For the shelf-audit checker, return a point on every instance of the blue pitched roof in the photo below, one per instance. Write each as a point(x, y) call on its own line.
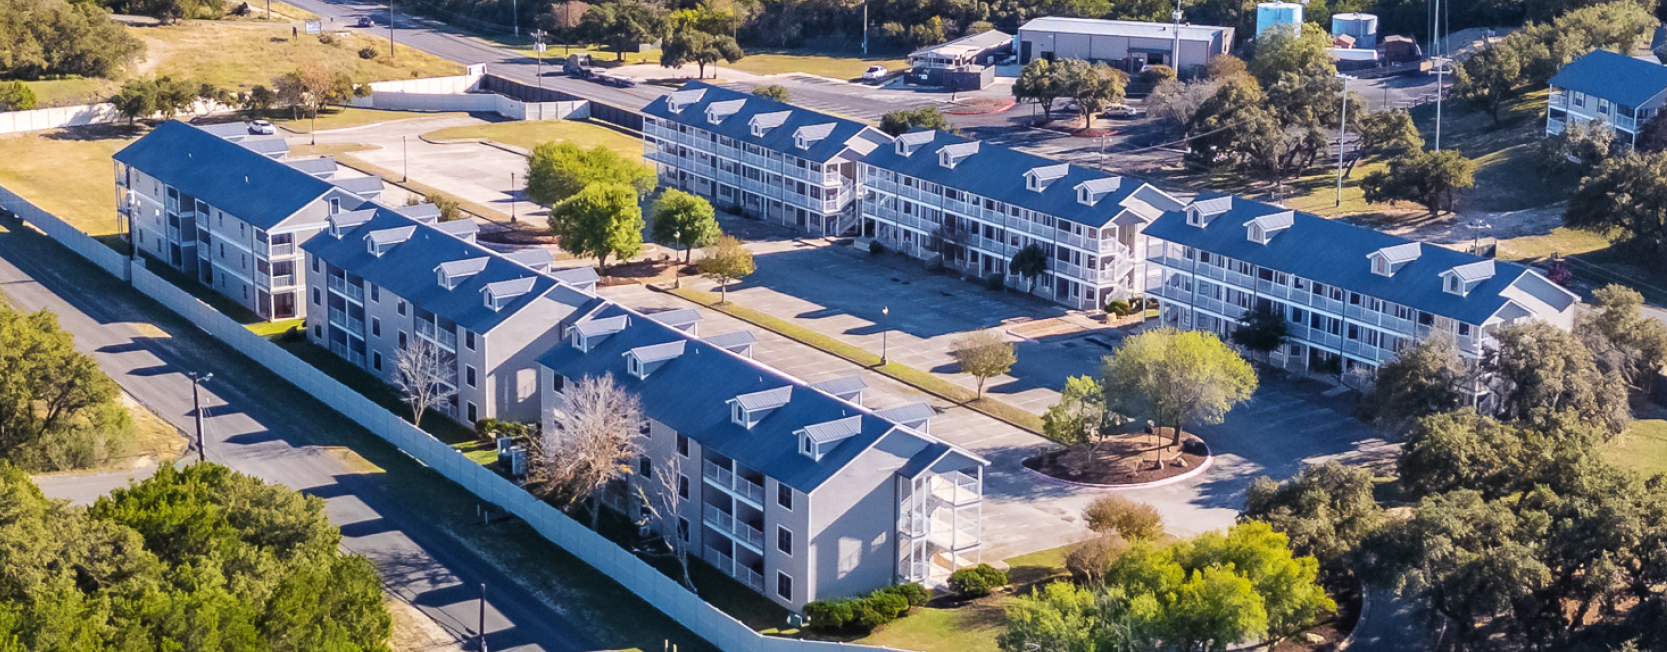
point(230, 177)
point(1615, 77)
point(691, 394)
point(999, 173)
point(737, 125)
point(408, 269)
point(1335, 253)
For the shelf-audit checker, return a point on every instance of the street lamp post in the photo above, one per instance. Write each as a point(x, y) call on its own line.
point(1342, 134)
point(390, 30)
point(538, 52)
point(512, 198)
point(676, 265)
point(885, 329)
point(404, 160)
point(482, 630)
point(197, 412)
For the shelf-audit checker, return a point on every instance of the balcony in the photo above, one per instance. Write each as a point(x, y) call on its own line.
point(354, 292)
point(737, 529)
point(724, 563)
point(727, 480)
point(956, 488)
point(446, 339)
point(350, 323)
point(265, 250)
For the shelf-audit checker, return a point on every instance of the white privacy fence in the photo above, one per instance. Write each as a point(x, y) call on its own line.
point(80, 116)
point(464, 93)
point(108, 259)
point(651, 585)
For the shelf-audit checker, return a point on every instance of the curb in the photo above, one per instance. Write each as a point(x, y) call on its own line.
point(1365, 609)
point(1208, 462)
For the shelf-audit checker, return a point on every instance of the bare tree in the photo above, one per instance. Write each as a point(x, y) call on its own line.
point(592, 443)
point(424, 376)
point(662, 500)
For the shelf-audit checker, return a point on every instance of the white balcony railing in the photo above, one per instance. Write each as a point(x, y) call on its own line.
point(724, 563)
point(735, 484)
point(734, 527)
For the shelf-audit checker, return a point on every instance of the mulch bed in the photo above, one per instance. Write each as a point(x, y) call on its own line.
point(980, 106)
point(1096, 132)
point(1123, 459)
point(1331, 630)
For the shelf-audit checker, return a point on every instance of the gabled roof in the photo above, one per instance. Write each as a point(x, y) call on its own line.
point(829, 431)
point(577, 276)
point(1274, 221)
point(321, 167)
point(679, 318)
point(1472, 272)
point(768, 399)
point(999, 173)
point(230, 177)
point(366, 185)
point(407, 269)
point(594, 327)
point(909, 413)
point(465, 267)
point(780, 138)
point(1334, 253)
point(272, 147)
point(1615, 77)
point(1401, 253)
point(465, 229)
point(423, 212)
point(658, 352)
point(734, 341)
point(691, 395)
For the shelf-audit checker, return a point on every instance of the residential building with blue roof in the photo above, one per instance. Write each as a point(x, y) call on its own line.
point(796, 490)
point(976, 205)
point(1353, 296)
point(1605, 87)
point(380, 280)
point(758, 157)
point(217, 203)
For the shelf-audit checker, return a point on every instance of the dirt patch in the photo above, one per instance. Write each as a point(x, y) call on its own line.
point(1041, 328)
point(659, 270)
point(521, 233)
point(414, 631)
point(1124, 459)
point(980, 106)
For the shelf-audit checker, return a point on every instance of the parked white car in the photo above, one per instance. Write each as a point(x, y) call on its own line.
point(874, 73)
point(262, 127)
point(1124, 112)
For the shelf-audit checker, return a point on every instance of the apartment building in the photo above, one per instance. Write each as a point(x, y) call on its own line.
point(227, 213)
point(930, 193)
point(1609, 88)
point(795, 490)
point(379, 279)
point(1353, 296)
point(753, 156)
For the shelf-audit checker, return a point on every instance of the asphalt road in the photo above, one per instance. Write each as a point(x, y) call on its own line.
point(257, 429)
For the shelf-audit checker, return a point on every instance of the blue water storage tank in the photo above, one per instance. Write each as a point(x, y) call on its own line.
point(1269, 14)
point(1363, 27)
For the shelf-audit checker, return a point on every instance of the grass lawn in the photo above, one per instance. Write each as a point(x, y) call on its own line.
point(555, 54)
point(152, 437)
point(1507, 178)
point(1642, 448)
point(271, 329)
point(242, 55)
point(972, 627)
point(814, 63)
point(919, 379)
point(70, 92)
point(371, 387)
point(530, 134)
point(67, 172)
point(1561, 240)
point(343, 117)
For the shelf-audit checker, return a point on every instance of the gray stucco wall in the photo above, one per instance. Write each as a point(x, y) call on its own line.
point(854, 522)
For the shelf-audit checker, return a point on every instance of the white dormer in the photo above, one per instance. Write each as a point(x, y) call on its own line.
point(747, 410)
point(950, 156)
point(817, 439)
point(805, 137)
point(1388, 260)
point(679, 100)
point(1201, 212)
point(1262, 229)
point(906, 144)
point(453, 272)
point(378, 242)
point(587, 333)
point(341, 223)
point(1037, 179)
point(499, 294)
point(683, 319)
point(1464, 278)
point(643, 360)
point(762, 123)
point(718, 112)
point(1089, 192)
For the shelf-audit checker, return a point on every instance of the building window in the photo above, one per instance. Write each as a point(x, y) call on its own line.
point(335, 205)
point(402, 340)
point(645, 468)
point(682, 444)
point(375, 292)
point(556, 382)
point(316, 301)
point(376, 360)
point(315, 262)
point(683, 487)
point(784, 496)
point(469, 339)
point(784, 586)
point(318, 331)
point(784, 540)
point(469, 375)
point(376, 327)
point(471, 412)
point(400, 307)
point(683, 528)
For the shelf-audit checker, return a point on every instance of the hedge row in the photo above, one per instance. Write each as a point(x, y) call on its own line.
point(866, 613)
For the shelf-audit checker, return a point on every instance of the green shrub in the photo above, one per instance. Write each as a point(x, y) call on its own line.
point(1119, 308)
point(368, 52)
point(830, 615)
point(914, 593)
point(326, 39)
point(890, 606)
point(992, 577)
point(15, 96)
point(969, 583)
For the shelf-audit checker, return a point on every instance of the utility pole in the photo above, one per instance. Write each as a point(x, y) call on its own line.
point(390, 30)
point(512, 198)
point(538, 52)
point(515, 11)
point(197, 412)
point(1342, 135)
point(481, 630)
point(865, 29)
point(1175, 56)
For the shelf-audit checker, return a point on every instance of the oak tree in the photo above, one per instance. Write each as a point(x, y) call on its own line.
point(1176, 377)
point(983, 355)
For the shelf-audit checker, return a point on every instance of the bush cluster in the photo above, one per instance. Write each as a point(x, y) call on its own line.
point(865, 613)
point(368, 52)
point(976, 582)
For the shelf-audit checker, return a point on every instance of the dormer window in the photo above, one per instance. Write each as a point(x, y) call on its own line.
point(1455, 285)
point(1462, 279)
point(680, 100)
point(643, 360)
point(1256, 234)
point(1194, 218)
point(805, 137)
point(1038, 179)
point(451, 273)
point(718, 112)
point(635, 366)
point(500, 294)
point(1380, 266)
point(579, 341)
point(762, 123)
point(950, 156)
point(747, 410)
point(906, 144)
point(1262, 229)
